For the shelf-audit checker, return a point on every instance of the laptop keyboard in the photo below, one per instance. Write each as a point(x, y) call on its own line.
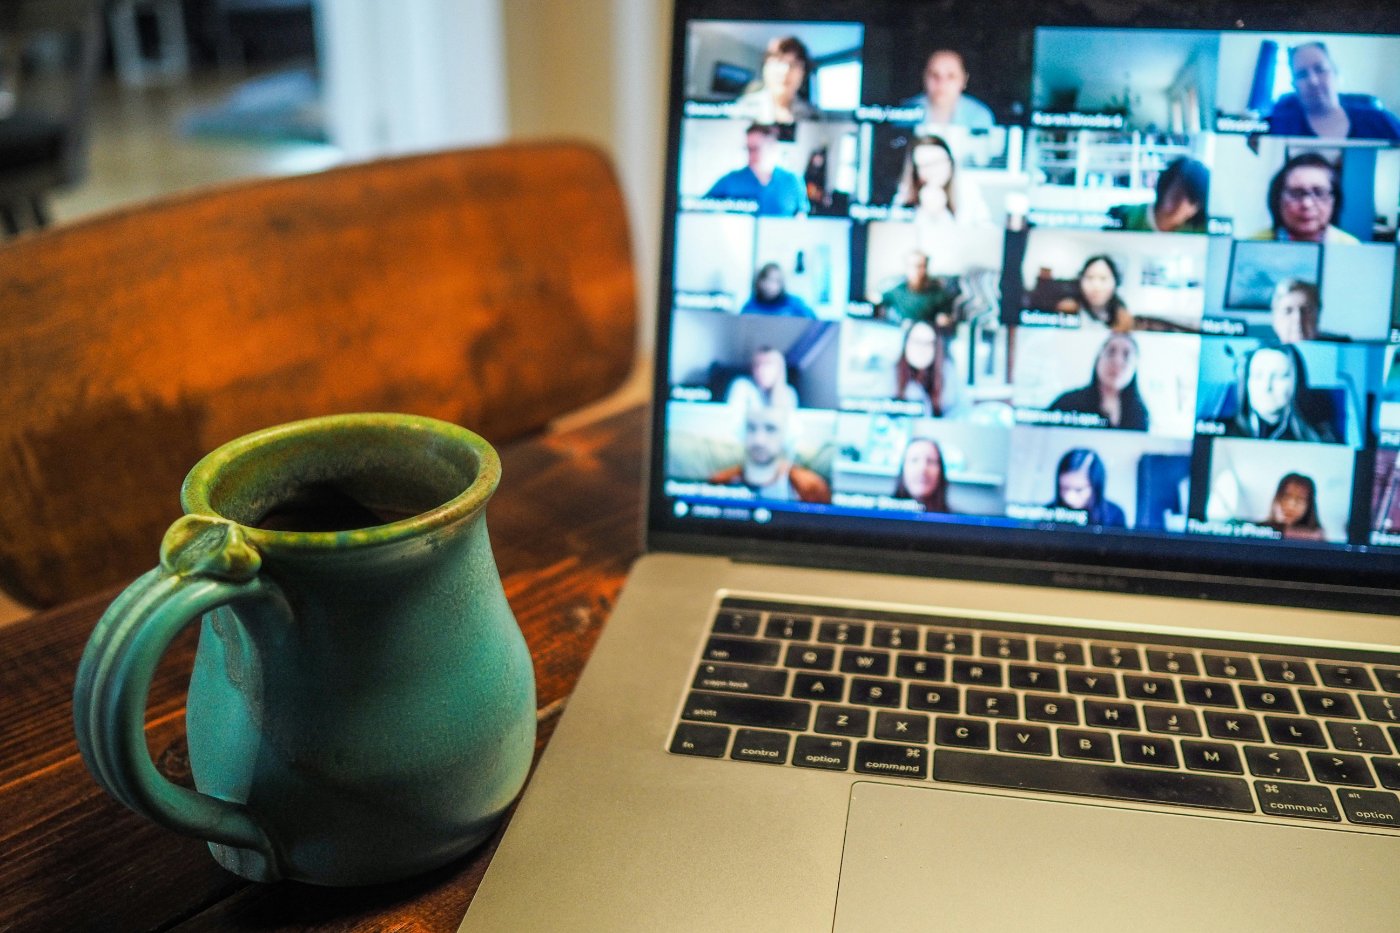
point(1220, 725)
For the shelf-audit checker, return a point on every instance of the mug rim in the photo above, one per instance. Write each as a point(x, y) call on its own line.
point(198, 484)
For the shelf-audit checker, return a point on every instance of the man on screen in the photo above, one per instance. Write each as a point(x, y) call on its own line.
point(767, 468)
point(944, 101)
point(776, 190)
point(920, 297)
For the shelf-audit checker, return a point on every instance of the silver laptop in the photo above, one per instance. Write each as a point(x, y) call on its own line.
point(1023, 527)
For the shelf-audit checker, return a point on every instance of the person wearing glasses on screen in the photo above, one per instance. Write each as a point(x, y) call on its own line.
point(1305, 198)
point(922, 476)
point(780, 93)
point(1294, 509)
point(1318, 108)
point(777, 191)
point(1079, 486)
point(1183, 189)
point(944, 101)
point(1275, 399)
point(1112, 392)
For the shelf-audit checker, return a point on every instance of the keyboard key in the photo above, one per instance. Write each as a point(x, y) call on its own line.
point(1052, 709)
point(736, 622)
point(1118, 658)
point(1388, 679)
point(1115, 783)
point(828, 687)
point(899, 638)
point(1371, 807)
point(742, 651)
point(1152, 751)
point(1346, 676)
point(870, 663)
point(842, 633)
point(1287, 671)
point(875, 692)
point(842, 720)
point(961, 733)
point(731, 678)
point(1388, 770)
point(1059, 652)
point(1276, 763)
point(902, 727)
point(891, 760)
point(754, 745)
point(1172, 662)
point(1171, 720)
point(826, 754)
point(1331, 768)
point(696, 739)
point(948, 642)
point(1092, 683)
point(1079, 743)
point(1027, 740)
point(1358, 737)
point(1110, 715)
point(810, 657)
point(978, 673)
point(1234, 667)
point(1380, 708)
point(921, 667)
point(992, 703)
point(1211, 756)
point(1285, 730)
point(1160, 689)
point(792, 628)
point(1005, 648)
point(1239, 727)
point(1325, 703)
point(1296, 801)
point(933, 699)
point(1268, 699)
point(1034, 678)
point(738, 710)
point(1208, 693)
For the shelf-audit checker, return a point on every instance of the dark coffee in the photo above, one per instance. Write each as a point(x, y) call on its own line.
point(327, 507)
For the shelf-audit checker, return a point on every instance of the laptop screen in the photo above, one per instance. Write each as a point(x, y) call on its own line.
point(1003, 284)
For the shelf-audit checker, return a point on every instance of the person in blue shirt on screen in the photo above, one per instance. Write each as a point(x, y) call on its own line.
point(944, 102)
point(1318, 108)
point(770, 295)
point(776, 190)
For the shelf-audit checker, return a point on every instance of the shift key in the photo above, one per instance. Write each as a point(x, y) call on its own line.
point(736, 710)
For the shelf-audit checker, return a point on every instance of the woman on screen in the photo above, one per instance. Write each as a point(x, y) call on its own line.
point(1305, 198)
point(1079, 483)
point(922, 477)
point(1096, 298)
point(1318, 108)
point(770, 295)
point(766, 383)
point(1275, 399)
point(1294, 509)
point(780, 94)
point(924, 372)
point(929, 185)
point(1112, 392)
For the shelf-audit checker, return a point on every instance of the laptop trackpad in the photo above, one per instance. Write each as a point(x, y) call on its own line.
point(925, 859)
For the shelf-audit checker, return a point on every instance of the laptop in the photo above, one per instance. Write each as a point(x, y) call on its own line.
point(1023, 535)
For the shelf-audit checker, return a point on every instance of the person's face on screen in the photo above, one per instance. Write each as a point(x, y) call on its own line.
point(1098, 284)
point(916, 268)
point(762, 150)
point(920, 345)
point(1315, 78)
point(935, 171)
point(1271, 383)
point(764, 428)
point(1293, 316)
point(1175, 209)
point(1306, 202)
point(1076, 491)
point(922, 469)
point(769, 369)
point(783, 74)
point(945, 78)
point(1117, 363)
point(770, 284)
point(1293, 502)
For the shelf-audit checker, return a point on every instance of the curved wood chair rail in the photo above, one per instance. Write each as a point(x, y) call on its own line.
point(489, 287)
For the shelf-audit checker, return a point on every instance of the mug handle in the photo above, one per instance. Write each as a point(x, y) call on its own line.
point(205, 562)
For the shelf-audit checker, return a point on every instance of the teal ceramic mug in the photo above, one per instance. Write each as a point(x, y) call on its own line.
point(362, 706)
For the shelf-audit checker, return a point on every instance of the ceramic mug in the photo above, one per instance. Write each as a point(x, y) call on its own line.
point(362, 706)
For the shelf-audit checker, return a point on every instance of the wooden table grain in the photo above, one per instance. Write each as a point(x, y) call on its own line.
point(565, 526)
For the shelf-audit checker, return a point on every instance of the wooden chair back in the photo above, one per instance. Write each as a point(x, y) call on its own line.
point(491, 287)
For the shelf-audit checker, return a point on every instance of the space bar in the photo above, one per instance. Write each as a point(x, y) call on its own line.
point(1070, 777)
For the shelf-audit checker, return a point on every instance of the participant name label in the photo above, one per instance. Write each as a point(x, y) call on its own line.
point(1045, 513)
point(1079, 121)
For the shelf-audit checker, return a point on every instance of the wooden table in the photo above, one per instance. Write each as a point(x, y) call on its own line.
point(565, 526)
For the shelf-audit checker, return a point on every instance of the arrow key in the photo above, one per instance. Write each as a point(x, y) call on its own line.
point(1029, 740)
point(1341, 769)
